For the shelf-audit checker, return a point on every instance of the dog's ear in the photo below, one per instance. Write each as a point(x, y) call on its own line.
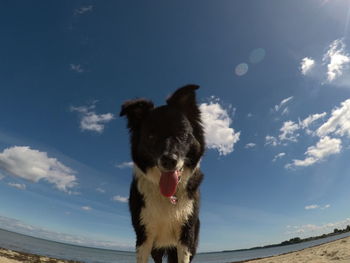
point(136, 110)
point(184, 98)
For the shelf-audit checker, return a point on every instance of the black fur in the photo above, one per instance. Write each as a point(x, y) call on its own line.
point(160, 137)
point(136, 203)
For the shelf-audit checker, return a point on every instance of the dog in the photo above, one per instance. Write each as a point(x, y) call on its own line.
point(167, 143)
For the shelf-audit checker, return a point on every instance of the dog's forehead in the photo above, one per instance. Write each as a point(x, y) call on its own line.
point(167, 117)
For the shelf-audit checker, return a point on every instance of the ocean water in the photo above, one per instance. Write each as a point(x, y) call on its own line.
point(33, 245)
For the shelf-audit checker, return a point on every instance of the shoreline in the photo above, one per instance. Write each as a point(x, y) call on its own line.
point(334, 251)
point(337, 251)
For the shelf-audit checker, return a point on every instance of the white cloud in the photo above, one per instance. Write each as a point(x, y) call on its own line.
point(308, 229)
point(311, 207)
point(278, 156)
point(77, 68)
point(250, 145)
point(125, 165)
point(90, 121)
point(18, 186)
point(33, 165)
point(326, 206)
point(306, 65)
point(270, 140)
point(337, 60)
point(100, 190)
point(285, 111)
point(282, 103)
point(83, 10)
point(334, 68)
point(288, 131)
point(305, 124)
point(218, 133)
point(120, 199)
point(86, 208)
point(18, 226)
point(325, 147)
point(338, 123)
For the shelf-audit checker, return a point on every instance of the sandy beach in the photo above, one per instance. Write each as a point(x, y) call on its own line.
point(336, 251)
point(9, 256)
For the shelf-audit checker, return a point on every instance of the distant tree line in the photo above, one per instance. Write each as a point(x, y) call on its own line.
point(296, 240)
point(337, 231)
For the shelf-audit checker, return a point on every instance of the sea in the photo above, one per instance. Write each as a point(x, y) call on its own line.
point(23, 243)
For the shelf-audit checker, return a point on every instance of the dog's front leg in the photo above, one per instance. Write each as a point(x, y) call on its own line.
point(183, 254)
point(144, 251)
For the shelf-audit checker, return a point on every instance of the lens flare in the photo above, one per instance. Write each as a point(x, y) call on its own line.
point(241, 69)
point(257, 55)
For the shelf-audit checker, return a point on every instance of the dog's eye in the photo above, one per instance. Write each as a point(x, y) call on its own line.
point(189, 138)
point(182, 137)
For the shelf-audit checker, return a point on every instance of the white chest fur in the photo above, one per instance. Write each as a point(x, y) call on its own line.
point(162, 219)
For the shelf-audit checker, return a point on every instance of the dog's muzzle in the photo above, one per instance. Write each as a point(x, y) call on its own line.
point(169, 162)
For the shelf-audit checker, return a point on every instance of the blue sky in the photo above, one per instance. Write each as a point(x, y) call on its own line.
point(275, 84)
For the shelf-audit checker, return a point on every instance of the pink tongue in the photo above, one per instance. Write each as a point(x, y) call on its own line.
point(168, 182)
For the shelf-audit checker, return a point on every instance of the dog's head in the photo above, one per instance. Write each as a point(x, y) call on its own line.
point(168, 138)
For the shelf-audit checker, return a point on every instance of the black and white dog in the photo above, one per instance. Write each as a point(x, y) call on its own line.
point(167, 143)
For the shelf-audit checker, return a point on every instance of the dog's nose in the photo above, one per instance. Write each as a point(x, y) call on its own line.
point(168, 161)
